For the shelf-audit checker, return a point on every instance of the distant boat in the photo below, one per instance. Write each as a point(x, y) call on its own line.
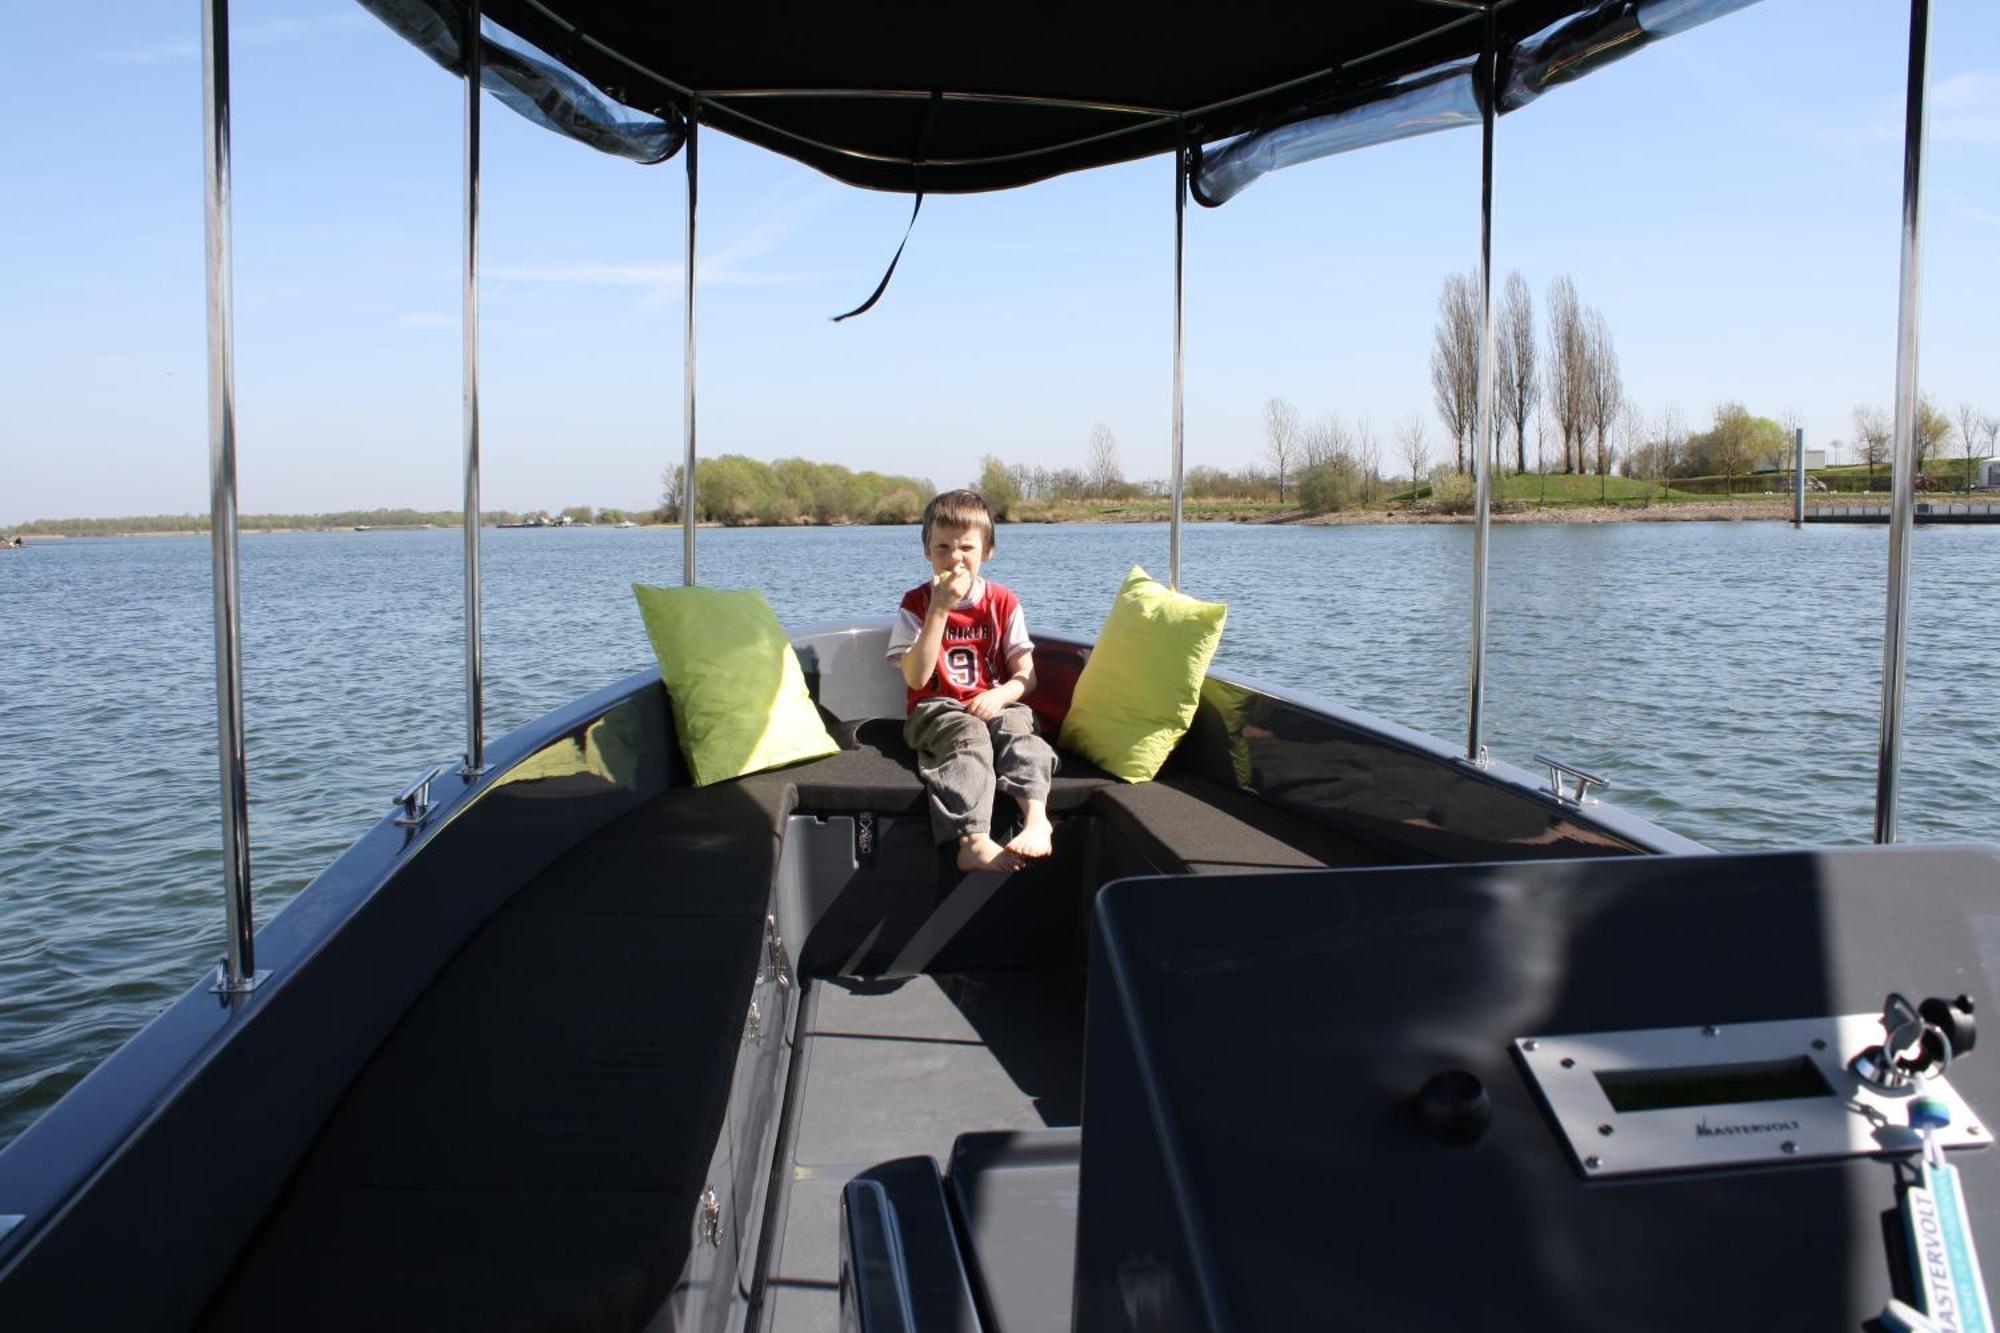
point(362, 527)
point(625, 523)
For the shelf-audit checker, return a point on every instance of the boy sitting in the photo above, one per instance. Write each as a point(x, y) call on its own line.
point(964, 651)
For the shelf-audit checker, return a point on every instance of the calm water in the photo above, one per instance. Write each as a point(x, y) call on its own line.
point(1724, 676)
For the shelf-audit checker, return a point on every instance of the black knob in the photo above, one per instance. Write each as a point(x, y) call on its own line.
point(1954, 1019)
point(1454, 1107)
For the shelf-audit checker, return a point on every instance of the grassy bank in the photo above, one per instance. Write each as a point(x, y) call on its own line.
point(1148, 510)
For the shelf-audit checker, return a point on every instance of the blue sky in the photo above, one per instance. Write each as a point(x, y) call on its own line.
point(1728, 199)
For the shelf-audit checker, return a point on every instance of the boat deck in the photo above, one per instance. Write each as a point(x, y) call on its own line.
point(901, 1068)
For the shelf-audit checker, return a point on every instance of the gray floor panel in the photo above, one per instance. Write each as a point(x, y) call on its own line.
point(901, 1069)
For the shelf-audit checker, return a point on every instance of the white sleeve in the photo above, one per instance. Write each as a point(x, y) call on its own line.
point(904, 636)
point(1015, 639)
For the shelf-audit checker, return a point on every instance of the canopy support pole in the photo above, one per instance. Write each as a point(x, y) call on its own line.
point(475, 696)
point(687, 408)
point(1482, 452)
point(1895, 638)
point(1180, 244)
point(237, 972)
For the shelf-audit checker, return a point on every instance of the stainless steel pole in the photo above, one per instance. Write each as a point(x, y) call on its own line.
point(238, 971)
point(475, 695)
point(1895, 637)
point(1482, 452)
point(687, 410)
point(1180, 243)
point(1799, 477)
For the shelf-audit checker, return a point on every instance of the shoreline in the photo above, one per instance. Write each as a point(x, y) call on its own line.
point(1674, 511)
point(1513, 511)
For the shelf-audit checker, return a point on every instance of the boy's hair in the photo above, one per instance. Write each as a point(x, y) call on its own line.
point(958, 509)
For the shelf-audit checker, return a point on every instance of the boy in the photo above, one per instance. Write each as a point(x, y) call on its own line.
point(967, 661)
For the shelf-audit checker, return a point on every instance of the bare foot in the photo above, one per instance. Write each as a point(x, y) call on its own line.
point(978, 851)
point(1033, 840)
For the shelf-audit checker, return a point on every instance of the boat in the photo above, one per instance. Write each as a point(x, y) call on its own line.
point(1332, 1024)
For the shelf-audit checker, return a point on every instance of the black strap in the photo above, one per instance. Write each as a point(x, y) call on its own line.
point(923, 143)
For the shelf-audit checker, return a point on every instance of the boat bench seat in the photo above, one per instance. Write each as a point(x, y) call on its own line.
point(526, 1148)
point(876, 772)
point(574, 1060)
point(1179, 823)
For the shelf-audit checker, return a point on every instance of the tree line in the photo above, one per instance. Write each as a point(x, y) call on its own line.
point(1569, 379)
point(344, 519)
point(734, 489)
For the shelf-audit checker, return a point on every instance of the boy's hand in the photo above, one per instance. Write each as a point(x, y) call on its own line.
point(950, 588)
point(989, 705)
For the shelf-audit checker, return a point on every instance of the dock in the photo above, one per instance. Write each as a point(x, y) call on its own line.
point(1927, 511)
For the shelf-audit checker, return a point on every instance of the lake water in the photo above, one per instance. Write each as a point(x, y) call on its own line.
point(1725, 677)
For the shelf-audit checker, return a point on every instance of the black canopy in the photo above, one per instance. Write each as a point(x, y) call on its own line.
point(942, 98)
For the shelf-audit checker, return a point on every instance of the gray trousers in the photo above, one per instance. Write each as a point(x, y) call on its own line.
point(962, 759)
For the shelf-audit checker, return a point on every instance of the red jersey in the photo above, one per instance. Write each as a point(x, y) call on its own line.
point(980, 634)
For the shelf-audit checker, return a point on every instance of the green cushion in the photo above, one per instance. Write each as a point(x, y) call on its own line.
point(739, 699)
point(1138, 690)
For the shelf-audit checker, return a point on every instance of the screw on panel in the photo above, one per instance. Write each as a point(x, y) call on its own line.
point(1788, 1147)
point(1605, 1130)
point(1530, 1044)
point(1568, 1062)
point(1972, 1129)
point(1592, 1162)
point(1710, 1030)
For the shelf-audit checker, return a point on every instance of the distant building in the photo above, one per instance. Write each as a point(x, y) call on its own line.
point(1815, 458)
point(1989, 473)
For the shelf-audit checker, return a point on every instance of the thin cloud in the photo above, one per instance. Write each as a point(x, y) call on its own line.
point(1963, 109)
point(263, 33)
point(733, 264)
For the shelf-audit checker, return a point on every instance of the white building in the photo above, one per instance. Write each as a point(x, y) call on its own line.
point(1815, 458)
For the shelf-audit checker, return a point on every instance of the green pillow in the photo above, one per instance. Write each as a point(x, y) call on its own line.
point(739, 698)
point(1138, 690)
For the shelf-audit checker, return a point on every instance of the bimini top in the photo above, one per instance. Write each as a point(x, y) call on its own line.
point(912, 97)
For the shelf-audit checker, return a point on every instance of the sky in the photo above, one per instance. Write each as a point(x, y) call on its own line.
point(1728, 199)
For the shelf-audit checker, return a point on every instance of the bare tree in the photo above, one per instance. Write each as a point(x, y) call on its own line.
point(1324, 441)
point(1971, 429)
point(1568, 373)
point(1368, 453)
point(670, 497)
point(1515, 381)
point(1872, 437)
point(1604, 388)
point(1542, 451)
point(1413, 449)
point(1281, 439)
point(1673, 440)
point(1101, 471)
point(1633, 447)
point(1455, 360)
